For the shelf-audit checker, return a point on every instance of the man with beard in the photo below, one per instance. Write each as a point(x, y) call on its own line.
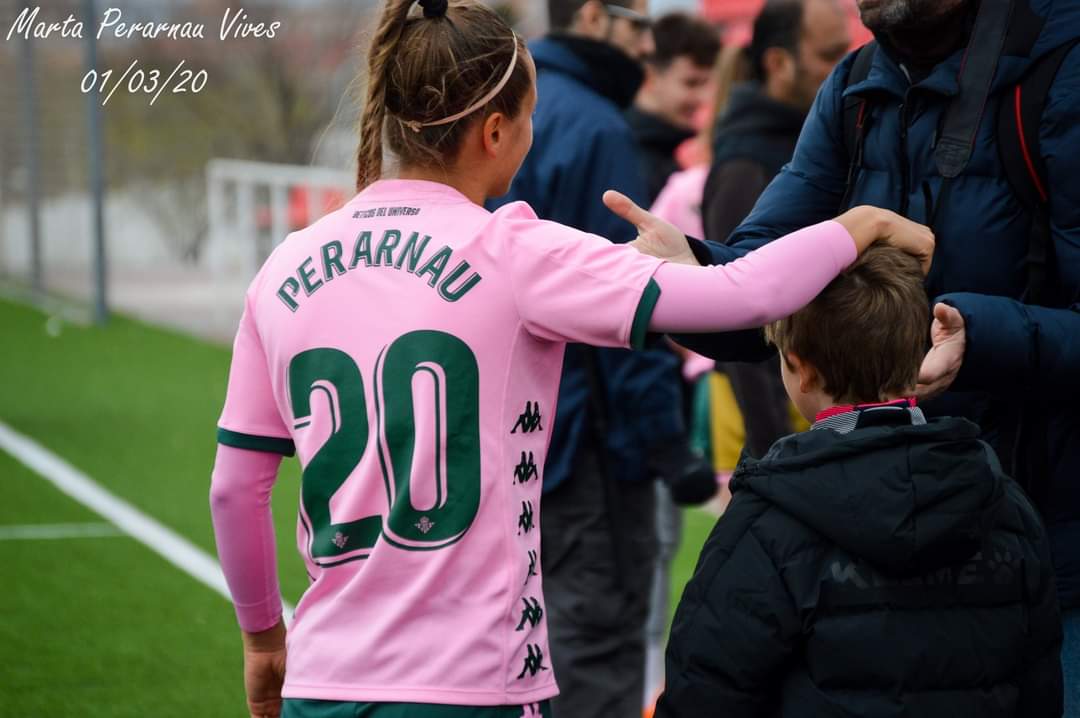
point(795, 45)
point(917, 130)
point(619, 423)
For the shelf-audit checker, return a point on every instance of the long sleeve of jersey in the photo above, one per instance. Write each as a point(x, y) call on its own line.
point(764, 286)
point(243, 526)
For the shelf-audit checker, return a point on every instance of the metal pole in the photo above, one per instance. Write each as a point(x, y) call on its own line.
point(97, 172)
point(33, 168)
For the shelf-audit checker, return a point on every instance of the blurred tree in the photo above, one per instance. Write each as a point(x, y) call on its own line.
point(267, 100)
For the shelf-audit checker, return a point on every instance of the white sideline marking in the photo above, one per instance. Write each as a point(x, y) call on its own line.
point(14, 532)
point(170, 545)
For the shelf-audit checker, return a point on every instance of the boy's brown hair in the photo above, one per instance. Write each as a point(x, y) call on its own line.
point(866, 333)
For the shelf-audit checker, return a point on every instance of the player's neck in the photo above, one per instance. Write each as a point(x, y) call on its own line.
point(469, 185)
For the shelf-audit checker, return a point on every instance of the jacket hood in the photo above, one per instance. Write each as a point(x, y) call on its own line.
point(598, 65)
point(751, 111)
point(758, 128)
point(908, 499)
point(653, 131)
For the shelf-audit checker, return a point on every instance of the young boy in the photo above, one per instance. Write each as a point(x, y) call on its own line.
point(879, 564)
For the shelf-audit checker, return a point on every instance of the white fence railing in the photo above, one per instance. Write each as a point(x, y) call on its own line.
point(253, 206)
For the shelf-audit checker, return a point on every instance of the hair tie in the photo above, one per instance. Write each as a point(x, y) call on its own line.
point(435, 8)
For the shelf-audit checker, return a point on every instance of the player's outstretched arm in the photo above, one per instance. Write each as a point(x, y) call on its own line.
point(865, 225)
point(767, 284)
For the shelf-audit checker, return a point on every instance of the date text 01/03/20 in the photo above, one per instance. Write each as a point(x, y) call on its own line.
point(135, 80)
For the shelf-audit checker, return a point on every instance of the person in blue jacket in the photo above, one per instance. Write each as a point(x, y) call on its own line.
point(619, 424)
point(1010, 365)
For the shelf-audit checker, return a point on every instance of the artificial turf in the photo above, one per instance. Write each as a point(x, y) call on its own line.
point(103, 626)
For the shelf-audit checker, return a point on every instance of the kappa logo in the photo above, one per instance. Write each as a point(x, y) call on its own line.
point(525, 520)
point(534, 662)
point(529, 421)
point(533, 558)
point(1003, 567)
point(526, 468)
point(998, 566)
point(531, 710)
point(531, 614)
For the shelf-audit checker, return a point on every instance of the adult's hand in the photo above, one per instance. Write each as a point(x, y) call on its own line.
point(946, 356)
point(264, 671)
point(656, 237)
point(868, 225)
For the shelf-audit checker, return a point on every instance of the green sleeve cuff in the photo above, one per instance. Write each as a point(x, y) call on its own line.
point(269, 444)
point(639, 330)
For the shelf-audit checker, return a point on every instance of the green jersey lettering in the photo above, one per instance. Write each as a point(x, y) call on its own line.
point(331, 259)
point(435, 266)
point(390, 239)
point(362, 251)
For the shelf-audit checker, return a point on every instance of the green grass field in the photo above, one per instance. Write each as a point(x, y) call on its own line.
point(102, 626)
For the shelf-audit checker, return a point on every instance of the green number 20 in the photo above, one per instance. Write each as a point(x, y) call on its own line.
point(454, 450)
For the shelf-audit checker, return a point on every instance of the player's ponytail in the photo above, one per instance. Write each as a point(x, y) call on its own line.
point(383, 46)
point(430, 75)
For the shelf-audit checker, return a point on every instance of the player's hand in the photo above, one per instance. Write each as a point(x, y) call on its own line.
point(264, 671)
point(656, 237)
point(946, 356)
point(868, 225)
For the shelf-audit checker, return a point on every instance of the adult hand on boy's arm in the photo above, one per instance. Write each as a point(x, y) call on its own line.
point(946, 356)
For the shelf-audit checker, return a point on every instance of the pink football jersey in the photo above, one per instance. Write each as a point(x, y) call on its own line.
point(409, 347)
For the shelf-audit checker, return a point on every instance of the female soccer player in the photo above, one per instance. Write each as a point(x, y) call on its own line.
point(408, 348)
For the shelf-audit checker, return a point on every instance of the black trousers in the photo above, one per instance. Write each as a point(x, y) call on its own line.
point(598, 565)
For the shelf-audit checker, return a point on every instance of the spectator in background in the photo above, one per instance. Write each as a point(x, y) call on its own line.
point(676, 87)
point(619, 422)
point(796, 44)
point(678, 79)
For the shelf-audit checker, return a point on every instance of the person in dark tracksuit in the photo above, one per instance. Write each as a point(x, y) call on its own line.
point(676, 88)
point(879, 564)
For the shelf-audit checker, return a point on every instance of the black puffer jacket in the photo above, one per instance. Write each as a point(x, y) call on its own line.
point(892, 571)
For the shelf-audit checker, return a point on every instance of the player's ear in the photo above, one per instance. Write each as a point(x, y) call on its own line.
point(495, 133)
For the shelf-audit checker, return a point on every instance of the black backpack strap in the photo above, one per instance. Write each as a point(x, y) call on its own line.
point(1019, 122)
point(964, 114)
point(856, 115)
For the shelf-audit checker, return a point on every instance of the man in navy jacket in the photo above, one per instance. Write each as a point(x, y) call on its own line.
point(1011, 366)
